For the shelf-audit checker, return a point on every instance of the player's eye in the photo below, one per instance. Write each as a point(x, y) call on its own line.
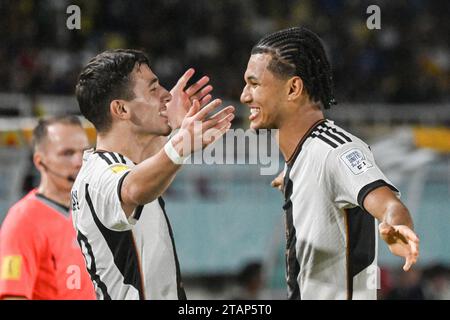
point(68, 153)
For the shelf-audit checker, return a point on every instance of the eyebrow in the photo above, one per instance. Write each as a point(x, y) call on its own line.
point(151, 82)
point(251, 78)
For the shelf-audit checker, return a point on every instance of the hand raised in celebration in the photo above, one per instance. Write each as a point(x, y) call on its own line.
point(182, 98)
point(198, 130)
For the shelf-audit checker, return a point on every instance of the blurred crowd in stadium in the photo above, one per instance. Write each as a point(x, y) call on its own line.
point(407, 61)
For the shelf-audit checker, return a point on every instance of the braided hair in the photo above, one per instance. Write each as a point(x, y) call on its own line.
point(299, 52)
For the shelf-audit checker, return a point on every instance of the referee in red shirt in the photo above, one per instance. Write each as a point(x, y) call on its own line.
point(39, 254)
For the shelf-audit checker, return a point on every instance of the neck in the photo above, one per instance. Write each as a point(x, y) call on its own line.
point(49, 190)
point(295, 127)
point(135, 147)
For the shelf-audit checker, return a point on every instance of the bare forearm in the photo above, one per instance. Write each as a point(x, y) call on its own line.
point(386, 207)
point(148, 180)
point(398, 214)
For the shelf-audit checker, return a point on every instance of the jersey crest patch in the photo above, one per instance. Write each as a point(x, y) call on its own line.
point(356, 161)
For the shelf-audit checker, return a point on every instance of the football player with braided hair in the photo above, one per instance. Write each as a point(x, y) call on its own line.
point(334, 191)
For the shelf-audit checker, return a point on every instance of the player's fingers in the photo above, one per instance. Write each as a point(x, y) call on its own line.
point(218, 122)
point(407, 233)
point(414, 248)
point(195, 107)
point(202, 93)
point(200, 115)
point(214, 134)
point(182, 82)
point(223, 113)
point(206, 99)
point(410, 260)
point(277, 182)
point(195, 88)
point(407, 265)
point(221, 131)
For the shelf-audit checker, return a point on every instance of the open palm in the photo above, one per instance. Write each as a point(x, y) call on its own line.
point(182, 98)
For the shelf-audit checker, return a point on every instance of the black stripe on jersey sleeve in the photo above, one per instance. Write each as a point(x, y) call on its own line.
point(123, 249)
point(104, 157)
point(362, 194)
point(92, 268)
point(180, 289)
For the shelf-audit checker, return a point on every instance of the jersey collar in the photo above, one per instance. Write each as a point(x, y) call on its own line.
point(55, 205)
point(298, 148)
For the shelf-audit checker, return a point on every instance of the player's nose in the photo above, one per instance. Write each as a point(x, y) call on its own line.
point(245, 96)
point(78, 160)
point(167, 96)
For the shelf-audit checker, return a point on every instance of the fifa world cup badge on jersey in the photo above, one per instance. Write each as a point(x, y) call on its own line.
point(356, 161)
point(11, 266)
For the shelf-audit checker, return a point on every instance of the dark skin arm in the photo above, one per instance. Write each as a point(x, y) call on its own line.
point(396, 226)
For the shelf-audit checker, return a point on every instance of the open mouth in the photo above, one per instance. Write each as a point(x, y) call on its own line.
point(254, 112)
point(163, 112)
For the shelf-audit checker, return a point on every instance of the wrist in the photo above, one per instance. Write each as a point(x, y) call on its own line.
point(174, 150)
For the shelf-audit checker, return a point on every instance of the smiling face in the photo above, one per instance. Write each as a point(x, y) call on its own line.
point(264, 93)
point(148, 107)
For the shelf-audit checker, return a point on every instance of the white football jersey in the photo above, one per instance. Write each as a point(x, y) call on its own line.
point(331, 250)
point(127, 258)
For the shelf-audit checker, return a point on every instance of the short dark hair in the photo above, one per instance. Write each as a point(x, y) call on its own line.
point(105, 78)
point(40, 132)
point(299, 52)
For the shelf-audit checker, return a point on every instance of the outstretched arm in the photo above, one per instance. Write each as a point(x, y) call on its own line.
point(149, 179)
point(396, 226)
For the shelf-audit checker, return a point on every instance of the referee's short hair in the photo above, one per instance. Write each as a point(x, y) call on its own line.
point(105, 78)
point(40, 132)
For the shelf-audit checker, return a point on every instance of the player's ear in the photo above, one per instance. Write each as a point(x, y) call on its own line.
point(38, 160)
point(295, 88)
point(119, 109)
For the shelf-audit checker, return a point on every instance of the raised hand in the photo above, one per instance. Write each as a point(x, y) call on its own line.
point(402, 241)
point(182, 98)
point(197, 130)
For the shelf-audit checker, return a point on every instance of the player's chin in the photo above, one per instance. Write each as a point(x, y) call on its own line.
point(257, 125)
point(166, 131)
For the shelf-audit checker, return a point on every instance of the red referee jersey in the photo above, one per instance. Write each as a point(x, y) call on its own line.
point(39, 254)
